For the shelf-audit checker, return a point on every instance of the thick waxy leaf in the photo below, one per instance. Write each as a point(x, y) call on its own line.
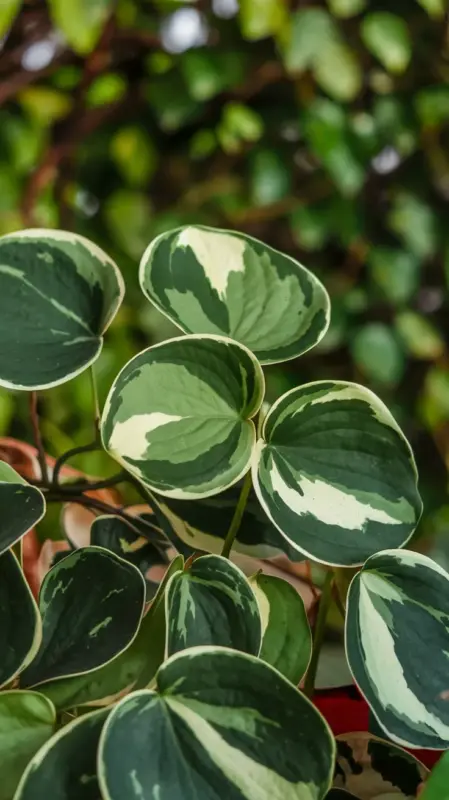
point(221, 282)
point(221, 724)
point(178, 415)
point(135, 667)
point(335, 474)
point(59, 294)
point(91, 604)
point(65, 768)
point(397, 644)
point(27, 720)
point(437, 785)
point(287, 640)
point(373, 769)
point(114, 534)
point(22, 506)
point(212, 603)
point(20, 622)
point(203, 525)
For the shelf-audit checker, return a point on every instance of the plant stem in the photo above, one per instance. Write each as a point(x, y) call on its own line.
point(91, 502)
point(238, 514)
point(34, 415)
point(96, 404)
point(318, 636)
point(78, 487)
point(75, 451)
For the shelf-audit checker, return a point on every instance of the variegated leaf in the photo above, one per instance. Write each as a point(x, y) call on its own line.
point(27, 721)
point(91, 604)
point(203, 525)
point(178, 416)
point(335, 474)
point(221, 724)
point(211, 602)
point(22, 506)
point(286, 636)
point(113, 533)
point(134, 668)
point(65, 768)
point(20, 622)
point(59, 294)
point(222, 282)
point(373, 769)
point(397, 645)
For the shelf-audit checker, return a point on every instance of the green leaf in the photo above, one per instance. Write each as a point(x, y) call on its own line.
point(335, 474)
point(338, 71)
point(212, 603)
point(84, 629)
point(378, 354)
point(127, 214)
point(200, 390)
point(372, 767)
point(8, 11)
point(419, 335)
point(414, 221)
point(327, 132)
point(432, 105)
point(208, 72)
point(346, 8)
point(22, 506)
point(437, 785)
point(435, 9)
point(65, 768)
point(59, 294)
point(309, 32)
point(239, 124)
point(203, 525)
point(212, 728)
point(106, 89)
point(135, 155)
point(27, 720)
point(395, 272)
point(287, 640)
point(134, 668)
point(310, 226)
point(270, 177)
point(81, 21)
point(261, 18)
point(388, 38)
point(220, 282)
point(114, 534)
point(397, 614)
point(20, 623)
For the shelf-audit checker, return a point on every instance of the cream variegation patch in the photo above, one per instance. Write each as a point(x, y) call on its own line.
point(218, 253)
point(129, 438)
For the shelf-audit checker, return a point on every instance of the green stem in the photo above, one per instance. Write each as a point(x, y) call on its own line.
point(95, 402)
point(75, 451)
point(318, 636)
point(238, 514)
point(34, 415)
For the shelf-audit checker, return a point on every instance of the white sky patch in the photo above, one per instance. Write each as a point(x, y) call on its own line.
point(327, 503)
point(183, 30)
point(383, 667)
point(129, 438)
point(218, 253)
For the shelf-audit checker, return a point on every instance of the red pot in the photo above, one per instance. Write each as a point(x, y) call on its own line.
point(346, 711)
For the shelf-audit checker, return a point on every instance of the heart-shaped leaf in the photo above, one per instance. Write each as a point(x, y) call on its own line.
point(335, 474)
point(113, 533)
point(27, 720)
point(59, 294)
point(91, 604)
point(212, 603)
point(374, 769)
point(66, 766)
point(22, 506)
point(135, 667)
point(397, 640)
point(203, 525)
point(221, 724)
point(437, 785)
point(287, 640)
point(178, 415)
point(221, 282)
point(20, 622)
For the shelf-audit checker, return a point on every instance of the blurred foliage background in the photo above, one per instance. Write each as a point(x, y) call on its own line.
point(321, 128)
